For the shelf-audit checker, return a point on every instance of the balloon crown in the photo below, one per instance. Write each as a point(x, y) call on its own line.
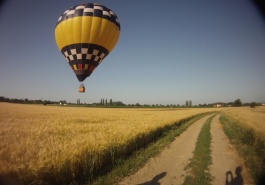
point(90, 9)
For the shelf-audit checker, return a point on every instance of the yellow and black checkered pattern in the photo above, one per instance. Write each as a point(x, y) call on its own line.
point(84, 58)
point(85, 34)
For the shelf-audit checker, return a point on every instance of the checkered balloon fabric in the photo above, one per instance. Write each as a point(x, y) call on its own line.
point(84, 58)
point(90, 9)
point(85, 34)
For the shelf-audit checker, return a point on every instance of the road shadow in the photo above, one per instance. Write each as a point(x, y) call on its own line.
point(155, 180)
point(6, 180)
point(237, 180)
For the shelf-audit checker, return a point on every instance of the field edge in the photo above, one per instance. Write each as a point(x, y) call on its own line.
point(249, 146)
point(123, 167)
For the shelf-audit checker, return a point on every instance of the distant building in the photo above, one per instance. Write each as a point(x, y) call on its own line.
point(62, 102)
point(218, 105)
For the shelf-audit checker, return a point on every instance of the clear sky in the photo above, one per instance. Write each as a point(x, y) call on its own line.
point(168, 52)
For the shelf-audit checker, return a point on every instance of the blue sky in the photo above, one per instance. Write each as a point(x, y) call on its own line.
point(168, 52)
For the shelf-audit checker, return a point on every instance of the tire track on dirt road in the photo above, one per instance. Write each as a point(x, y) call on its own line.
point(225, 159)
point(168, 167)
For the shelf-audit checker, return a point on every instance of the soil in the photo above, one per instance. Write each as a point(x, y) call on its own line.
point(225, 159)
point(168, 167)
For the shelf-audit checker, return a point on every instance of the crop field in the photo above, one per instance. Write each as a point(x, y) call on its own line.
point(246, 129)
point(249, 117)
point(61, 144)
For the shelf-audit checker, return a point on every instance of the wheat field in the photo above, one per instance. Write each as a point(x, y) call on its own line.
point(246, 129)
point(250, 117)
point(66, 143)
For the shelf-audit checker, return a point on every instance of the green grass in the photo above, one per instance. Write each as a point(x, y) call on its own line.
point(125, 166)
point(249, 146)
point(198, 168)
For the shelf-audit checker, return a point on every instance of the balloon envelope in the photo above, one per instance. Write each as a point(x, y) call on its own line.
point(85, 34)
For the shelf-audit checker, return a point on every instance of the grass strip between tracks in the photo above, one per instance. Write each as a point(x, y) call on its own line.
point(125, 167)
point(198, 168)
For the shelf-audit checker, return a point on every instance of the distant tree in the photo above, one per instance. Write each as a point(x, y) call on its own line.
point(110, 101)
point(106, 102)
point(187, 103)
point(237, 103)
point(3, 99)
point(253, 105)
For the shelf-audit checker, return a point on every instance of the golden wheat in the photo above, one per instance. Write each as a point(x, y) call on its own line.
point(251, 117)
point(246, 129)
point(36, 140)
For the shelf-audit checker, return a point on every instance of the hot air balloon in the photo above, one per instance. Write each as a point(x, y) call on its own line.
point(85, 34)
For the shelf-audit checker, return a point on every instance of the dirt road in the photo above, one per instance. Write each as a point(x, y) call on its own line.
point(168, 167)
point(225, 159)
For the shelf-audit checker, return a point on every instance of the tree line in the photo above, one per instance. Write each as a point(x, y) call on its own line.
point(110, 102)
point(27, 101)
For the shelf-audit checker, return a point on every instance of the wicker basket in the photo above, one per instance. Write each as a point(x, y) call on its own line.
point(81, 89)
